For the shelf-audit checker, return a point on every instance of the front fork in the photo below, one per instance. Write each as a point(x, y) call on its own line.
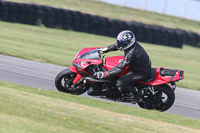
point(77, 79)
point(78, 76)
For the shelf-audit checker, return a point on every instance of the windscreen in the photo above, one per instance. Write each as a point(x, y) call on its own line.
point(94, 54)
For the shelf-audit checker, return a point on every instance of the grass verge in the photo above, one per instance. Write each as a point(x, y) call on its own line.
point(60, 46)
point(119, 12)
point(25, 109)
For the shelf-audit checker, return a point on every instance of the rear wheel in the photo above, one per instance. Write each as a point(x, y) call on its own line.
point(162, 99)
point(64, 83)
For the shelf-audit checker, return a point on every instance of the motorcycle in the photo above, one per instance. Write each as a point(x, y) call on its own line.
point(157, 92)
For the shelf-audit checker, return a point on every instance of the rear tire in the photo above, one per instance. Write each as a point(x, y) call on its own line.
point(157, 101)
point(64, 82)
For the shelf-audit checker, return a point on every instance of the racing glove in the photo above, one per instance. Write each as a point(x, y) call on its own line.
point(103, 50)
point(101, 75)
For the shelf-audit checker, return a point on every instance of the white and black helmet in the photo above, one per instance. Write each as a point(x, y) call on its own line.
point(125, 39)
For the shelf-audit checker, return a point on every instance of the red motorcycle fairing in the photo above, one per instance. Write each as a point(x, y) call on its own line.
point(87, 62)
point(84, 50)
point(113, 61)
point(81, 64)
point(73, 69)
point(159, 79)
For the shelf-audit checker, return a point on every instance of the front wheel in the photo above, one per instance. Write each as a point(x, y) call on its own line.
point(64, 83)
point(162, 99)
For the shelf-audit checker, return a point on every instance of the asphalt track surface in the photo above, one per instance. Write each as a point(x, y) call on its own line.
point(42, 75)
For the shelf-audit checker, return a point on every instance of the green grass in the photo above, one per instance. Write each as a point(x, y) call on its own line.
point(119, 12)
point(59, 47)
point(25, 109)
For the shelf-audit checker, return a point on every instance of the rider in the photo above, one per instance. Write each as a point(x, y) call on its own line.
point(135, 57)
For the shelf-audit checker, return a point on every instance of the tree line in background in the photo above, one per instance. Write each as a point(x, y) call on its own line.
point(66, 19)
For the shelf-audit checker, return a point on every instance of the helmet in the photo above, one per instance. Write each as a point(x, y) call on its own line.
point(125, 39)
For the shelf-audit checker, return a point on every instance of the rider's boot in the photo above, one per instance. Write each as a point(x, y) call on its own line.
point(137, 95)
point(131, 94)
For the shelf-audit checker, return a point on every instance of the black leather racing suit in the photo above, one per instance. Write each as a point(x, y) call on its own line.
point(139, 62)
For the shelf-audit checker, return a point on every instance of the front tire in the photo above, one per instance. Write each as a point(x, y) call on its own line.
point(64, 83)
point(162, 100)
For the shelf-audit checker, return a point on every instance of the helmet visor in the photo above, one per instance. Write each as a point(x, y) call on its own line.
point(121, 44)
